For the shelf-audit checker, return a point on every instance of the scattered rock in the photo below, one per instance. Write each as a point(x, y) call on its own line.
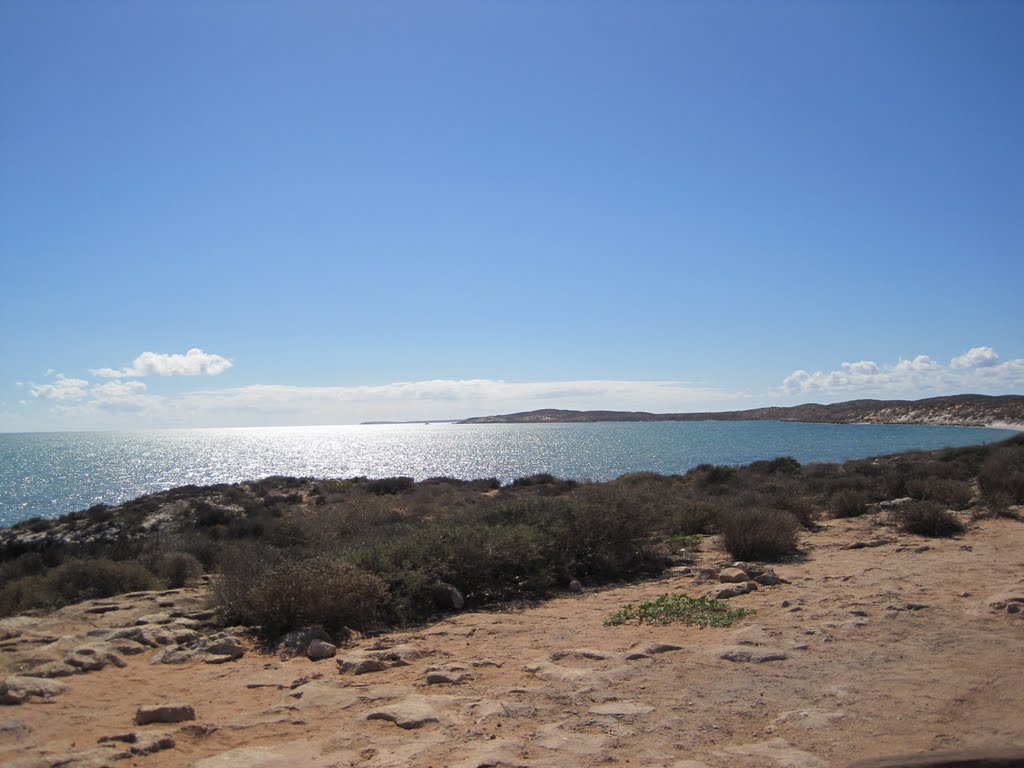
point(361, 666)
point(1011, 601)
point(164, 713)
point(409, 714)
point(778, 751)
point(732, 576)
point(91, 658)
point(581, 653)
point(620, 709)
point(752, 655)
point(878, 542)
point(451, 675)
point(319, 650)
point(448, 597)
point(734, 590)
point(143, 742)
point(17, 689)
point(14, 728)
point(54, 669)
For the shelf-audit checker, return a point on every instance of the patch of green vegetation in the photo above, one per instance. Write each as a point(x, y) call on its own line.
point(688, 540)
point(665, 609)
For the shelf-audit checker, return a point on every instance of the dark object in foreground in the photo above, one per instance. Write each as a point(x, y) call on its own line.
point(975, 758)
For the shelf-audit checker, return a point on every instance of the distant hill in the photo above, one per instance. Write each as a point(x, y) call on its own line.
point(958, 410)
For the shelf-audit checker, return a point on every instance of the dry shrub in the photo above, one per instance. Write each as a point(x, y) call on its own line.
point(262, 589)
point(848, 503)
point(758, 534)
point(927, 518)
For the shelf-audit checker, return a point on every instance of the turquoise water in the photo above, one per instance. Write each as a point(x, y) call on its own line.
point(48, 474)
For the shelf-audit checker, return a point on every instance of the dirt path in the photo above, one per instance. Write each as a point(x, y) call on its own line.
point(879, 650)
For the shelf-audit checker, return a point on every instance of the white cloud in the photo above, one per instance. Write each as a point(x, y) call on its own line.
point(976, 357)
point(193, 363)
point(63, 388)
point(974, 371)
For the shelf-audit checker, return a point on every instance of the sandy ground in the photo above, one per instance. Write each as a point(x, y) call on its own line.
point(906, 647)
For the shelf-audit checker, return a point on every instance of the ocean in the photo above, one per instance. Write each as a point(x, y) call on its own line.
point(50, 473)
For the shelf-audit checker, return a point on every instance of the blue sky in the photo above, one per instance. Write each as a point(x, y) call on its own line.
point(397, 210)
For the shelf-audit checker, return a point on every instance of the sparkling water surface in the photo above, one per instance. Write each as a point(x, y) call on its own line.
point(48, 474)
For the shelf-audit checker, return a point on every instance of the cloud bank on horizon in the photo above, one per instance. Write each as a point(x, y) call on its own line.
point(976, 369)
point(125, 401)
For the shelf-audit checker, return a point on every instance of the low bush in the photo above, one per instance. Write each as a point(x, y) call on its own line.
point(75, 580)
point(848, 503)
point(927, 518)
point(758, 534)
point(665, 609)
point(954, 494)
point(280, 595)
point(389, 486)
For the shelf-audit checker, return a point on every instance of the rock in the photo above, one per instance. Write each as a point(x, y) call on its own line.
point(297, 641)
point(17, 689)
point(620, 709)
point(777, 751)
point(869, 543)
point(581, 653)
point(294, 753)
point(143, 742)
point(230, 646)
point(1011, 601)
point(575, 586)
point(91, 658)
point(14, 728)
point(54, 669)
point(408, 714)
point(644, 650)
point(319, 649)
point(452, 675)
point(734, 590)
point(769, 579)
point(360, 666)
point(448, 597)
point(753, 570)
point(732, 576)
point(164, 713)
point(752, 655)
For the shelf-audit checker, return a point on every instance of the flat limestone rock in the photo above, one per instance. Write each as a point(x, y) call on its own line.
point(777, 750)
point(620, 709)
point(581, 653)
point(319, 694)
point(555, 673)
point(292, 753)
point(556, 738)
point(17, 689)
point(752, 654)
point(409, 714)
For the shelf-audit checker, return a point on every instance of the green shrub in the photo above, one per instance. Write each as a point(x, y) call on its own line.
point(758, 534)
point(666, 609)
point(848, 503)
point(927, 518)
